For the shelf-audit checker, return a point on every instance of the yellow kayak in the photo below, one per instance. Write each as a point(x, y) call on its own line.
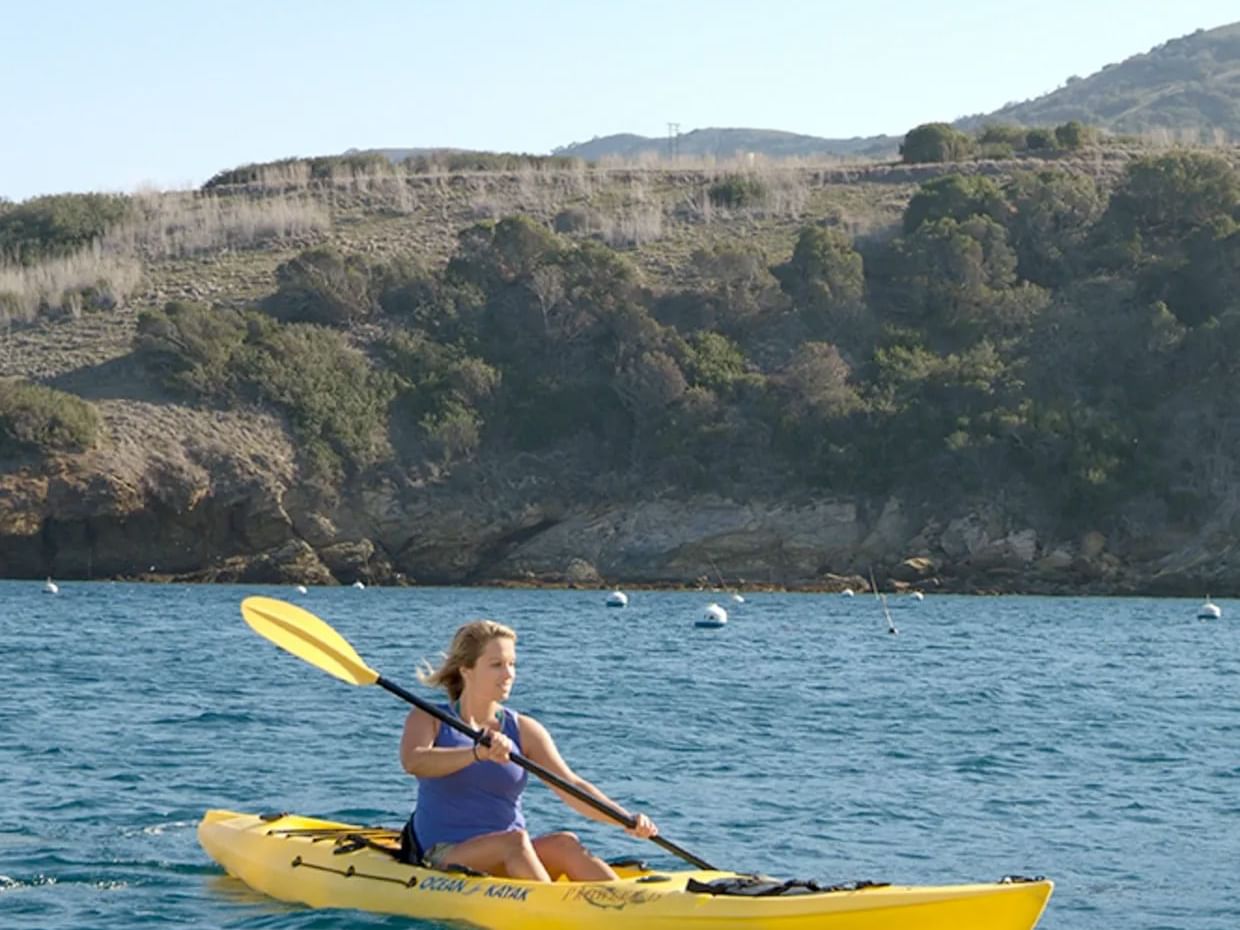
point(324, 864)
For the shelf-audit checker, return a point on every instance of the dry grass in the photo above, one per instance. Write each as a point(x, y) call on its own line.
point(175, 225)
point(106, 273)
point(224, 245)
point(93, 278)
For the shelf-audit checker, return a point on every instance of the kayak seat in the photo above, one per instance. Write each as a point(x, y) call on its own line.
point(410, 852)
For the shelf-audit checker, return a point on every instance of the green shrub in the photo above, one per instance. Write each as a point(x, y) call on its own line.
point(995, 150)
point(453, 431)
point(39, 419)
point(935, 142)
point(737, 191)
point(1162, 200)
point(1051, 215)
point(1040, 140)
point(192, 346)
point(1003, 134)
point(825, 269)
point(713, 361)
point(484, 161)
point(955, 197)
point(293, 170)
point(335, 400)
point(1073, 135)
point(57, 225)
point(322, 286)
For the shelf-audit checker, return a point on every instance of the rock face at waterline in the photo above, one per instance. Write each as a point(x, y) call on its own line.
point(160, 507)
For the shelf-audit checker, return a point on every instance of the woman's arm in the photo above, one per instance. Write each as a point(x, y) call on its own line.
point(538, 746)
point(421, 757)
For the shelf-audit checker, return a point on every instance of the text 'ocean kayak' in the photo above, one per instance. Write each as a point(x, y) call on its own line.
point(324, 864)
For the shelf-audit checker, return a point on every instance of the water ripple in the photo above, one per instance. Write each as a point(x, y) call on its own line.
point(1092, 740)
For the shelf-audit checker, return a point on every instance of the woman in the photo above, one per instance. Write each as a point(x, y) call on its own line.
point(469, 794)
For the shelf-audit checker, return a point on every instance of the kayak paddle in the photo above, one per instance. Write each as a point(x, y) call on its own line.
point(296, 630)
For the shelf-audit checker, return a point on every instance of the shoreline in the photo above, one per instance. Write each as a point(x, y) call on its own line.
point(895, 589)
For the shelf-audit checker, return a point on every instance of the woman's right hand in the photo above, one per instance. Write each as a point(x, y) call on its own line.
point(500, 749)
point(643, 827)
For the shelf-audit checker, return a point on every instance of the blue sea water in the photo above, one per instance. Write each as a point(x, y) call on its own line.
point(1092, 740)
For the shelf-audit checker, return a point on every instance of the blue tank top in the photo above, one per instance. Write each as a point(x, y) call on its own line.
point(483, 797)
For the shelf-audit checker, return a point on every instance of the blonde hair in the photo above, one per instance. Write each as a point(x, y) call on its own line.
point(467, 645)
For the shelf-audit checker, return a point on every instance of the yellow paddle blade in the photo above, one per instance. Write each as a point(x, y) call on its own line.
point(306, 636)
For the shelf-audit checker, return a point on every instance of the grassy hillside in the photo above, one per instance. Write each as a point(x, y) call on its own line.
point(728, 144)
point(77, 304)
point(1185, 90)
point(742, 330)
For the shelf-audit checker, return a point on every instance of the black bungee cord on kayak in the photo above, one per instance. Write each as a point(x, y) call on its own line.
point(761, 886)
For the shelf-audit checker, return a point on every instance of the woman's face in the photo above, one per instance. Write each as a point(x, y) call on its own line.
point(495, 671)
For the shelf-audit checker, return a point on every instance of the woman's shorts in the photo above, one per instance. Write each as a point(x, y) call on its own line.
point(434, 857)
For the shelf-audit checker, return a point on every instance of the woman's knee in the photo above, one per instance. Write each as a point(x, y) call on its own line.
point(562, 842)
point(516, 840)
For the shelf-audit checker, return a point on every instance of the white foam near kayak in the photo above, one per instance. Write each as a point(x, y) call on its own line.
point(713, 616)
point(617, 599)
point(1209, 611)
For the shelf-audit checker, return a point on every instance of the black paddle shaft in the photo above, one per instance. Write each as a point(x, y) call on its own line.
point(478, 736)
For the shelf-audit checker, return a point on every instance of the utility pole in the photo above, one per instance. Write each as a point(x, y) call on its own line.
point(673, 142)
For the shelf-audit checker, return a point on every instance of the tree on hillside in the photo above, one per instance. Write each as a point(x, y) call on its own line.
point(935, 142)
point(727, 287)
point(825, 279)
point(1163, 199)
point(1207, 283)
point(951, 276)
point(322, 286)
point(816, 382)
point(1073, 135)
point(957, 197)
point(492, 253)
point(1051, 215)
point(58, 224)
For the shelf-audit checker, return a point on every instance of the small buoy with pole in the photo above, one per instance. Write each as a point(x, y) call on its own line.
point(1209, 610)
point(882, 599)
point(736, 596)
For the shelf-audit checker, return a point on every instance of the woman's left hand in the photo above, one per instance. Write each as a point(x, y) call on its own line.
point(644, 828)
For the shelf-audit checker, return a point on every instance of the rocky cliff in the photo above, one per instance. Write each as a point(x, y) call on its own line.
point(213, 495)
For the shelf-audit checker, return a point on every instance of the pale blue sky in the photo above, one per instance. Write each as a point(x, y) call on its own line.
point(113, 94)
